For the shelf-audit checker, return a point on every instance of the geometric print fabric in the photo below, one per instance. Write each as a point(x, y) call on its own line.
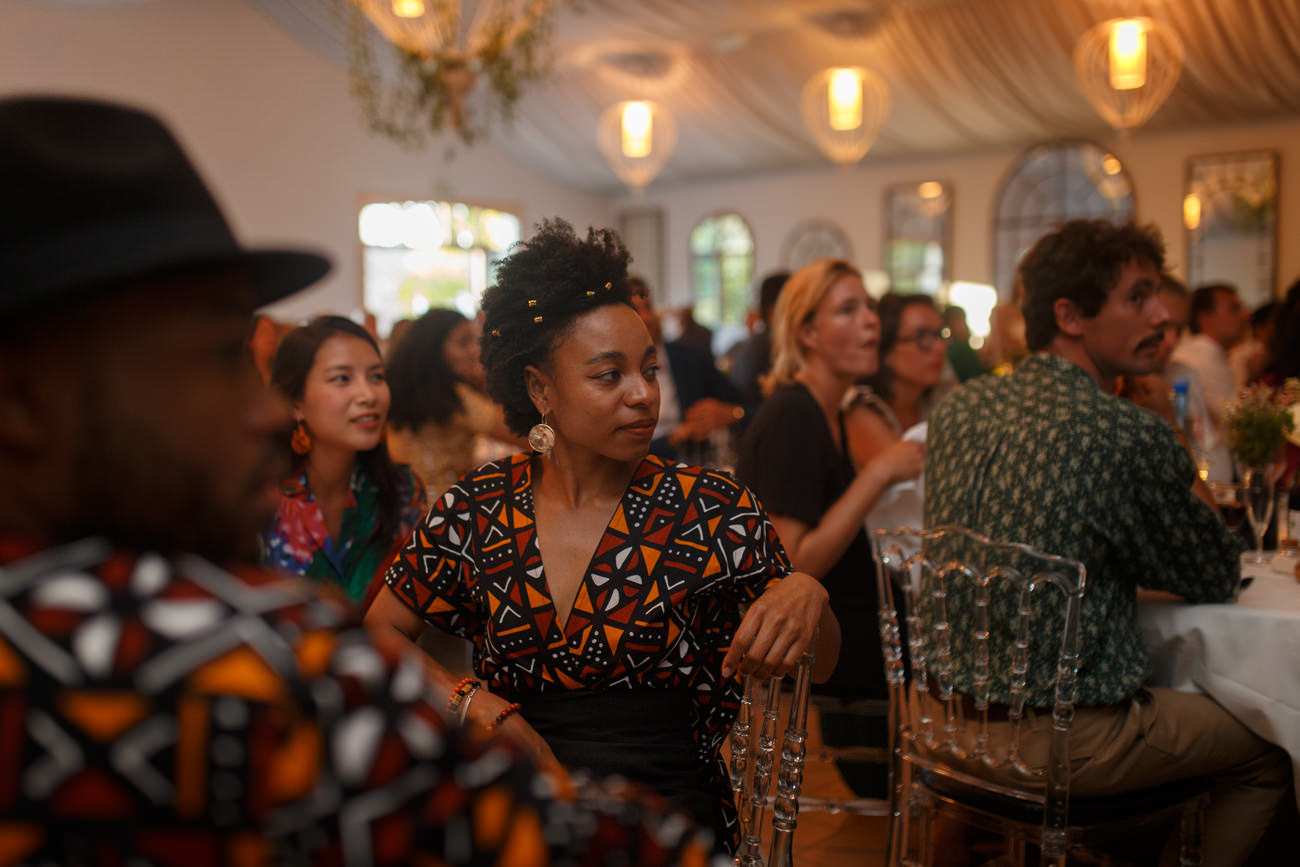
point(657, 607)
point(162, 710)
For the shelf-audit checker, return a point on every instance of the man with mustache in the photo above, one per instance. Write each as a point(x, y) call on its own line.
point(1049, 456)
point(161, 700)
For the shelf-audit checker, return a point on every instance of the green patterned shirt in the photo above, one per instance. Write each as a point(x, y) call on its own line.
point(1045, 457)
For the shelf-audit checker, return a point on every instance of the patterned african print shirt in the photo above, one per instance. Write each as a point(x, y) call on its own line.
point(1045, 457)
point(161, 710)
point(298, 542)
point(657, 608)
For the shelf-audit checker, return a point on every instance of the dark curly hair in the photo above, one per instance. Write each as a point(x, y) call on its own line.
point(293, 361)
point(421, 382)
point(890, 309)
point(1081, 261)
point(566, 276)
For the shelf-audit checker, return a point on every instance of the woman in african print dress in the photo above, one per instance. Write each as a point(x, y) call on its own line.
point(626, 660)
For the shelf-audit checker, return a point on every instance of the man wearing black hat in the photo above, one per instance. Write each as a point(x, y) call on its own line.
point(161, 701)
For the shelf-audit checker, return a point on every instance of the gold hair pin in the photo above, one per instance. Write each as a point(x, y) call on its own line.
point(609, 285)
point(496, 332)
point(591, 292)
point(536, 319)
point(532, 302)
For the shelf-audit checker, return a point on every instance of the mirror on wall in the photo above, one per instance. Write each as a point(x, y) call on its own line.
point(917, 232)
point(1050, 184)
point(1230, 217)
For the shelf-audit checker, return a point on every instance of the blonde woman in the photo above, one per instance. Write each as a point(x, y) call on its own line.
point(794, 457)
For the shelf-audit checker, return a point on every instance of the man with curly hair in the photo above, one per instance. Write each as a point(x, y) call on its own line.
point(1049, 456)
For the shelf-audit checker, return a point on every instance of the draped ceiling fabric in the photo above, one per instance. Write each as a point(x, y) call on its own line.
point(964, 74)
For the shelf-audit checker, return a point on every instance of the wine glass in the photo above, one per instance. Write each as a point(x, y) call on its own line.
point(1257, 487)
point(1228, 497)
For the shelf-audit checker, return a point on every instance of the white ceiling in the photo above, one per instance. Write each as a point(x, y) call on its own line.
point(964, 74)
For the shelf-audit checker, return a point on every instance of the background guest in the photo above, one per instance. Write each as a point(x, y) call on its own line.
point(347, 506)
point(1249, 358)
point(795, 457)
point(696, 400)
point(1218, 321)
point(440, 421)
point(752, 358)
point(903, 390)
point(962, 357)
point(898, 396)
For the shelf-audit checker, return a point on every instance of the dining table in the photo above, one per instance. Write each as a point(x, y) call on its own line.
point(1244, 654)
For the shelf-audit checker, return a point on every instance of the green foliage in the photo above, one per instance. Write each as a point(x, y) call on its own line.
point(1258, 422)
point(418, 101)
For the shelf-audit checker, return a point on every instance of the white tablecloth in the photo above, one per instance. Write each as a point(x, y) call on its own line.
point(1245, 655)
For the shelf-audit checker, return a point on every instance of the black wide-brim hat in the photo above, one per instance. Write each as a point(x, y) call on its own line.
point(94, 194)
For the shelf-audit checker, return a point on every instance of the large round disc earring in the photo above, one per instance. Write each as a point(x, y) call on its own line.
point(541, 437)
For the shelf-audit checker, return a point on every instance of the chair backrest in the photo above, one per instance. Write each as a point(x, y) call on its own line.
point(967, 623)
point(753, 755)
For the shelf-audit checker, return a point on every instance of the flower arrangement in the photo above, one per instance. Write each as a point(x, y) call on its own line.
point(1260, 421)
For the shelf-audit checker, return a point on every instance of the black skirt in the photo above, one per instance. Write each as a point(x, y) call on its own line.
point(642, 735)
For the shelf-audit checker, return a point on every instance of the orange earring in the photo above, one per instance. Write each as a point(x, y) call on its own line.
point(300, 442)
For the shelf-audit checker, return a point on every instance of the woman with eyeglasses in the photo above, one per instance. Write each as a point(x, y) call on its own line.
point(795, 457)
point(905, 387)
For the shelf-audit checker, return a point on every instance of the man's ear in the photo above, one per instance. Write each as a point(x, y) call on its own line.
point(1069, 319)
point(539, 386)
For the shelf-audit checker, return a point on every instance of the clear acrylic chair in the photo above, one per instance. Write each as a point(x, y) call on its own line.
point(942, 738)
point(754, 754)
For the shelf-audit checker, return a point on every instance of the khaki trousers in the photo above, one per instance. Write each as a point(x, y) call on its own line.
point(1160, 736)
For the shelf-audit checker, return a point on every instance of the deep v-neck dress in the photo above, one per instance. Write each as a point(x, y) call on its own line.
point(656, 607)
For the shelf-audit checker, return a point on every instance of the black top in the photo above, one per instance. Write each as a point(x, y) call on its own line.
point(790, 461)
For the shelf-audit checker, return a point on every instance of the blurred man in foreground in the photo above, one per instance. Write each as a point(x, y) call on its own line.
point(160, 701)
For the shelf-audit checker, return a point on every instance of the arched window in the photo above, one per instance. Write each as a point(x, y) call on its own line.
point(722, 273)
point(1051, 184)
point(417, 255)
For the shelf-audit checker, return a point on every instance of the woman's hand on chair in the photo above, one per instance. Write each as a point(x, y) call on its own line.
point(777, 628)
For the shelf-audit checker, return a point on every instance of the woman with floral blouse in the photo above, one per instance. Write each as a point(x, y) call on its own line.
point(347, 506)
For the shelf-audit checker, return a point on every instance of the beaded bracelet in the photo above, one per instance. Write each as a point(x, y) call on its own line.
point(513, 708)
point(458, 694)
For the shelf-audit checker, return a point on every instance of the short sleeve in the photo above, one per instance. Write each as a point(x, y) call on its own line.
point(751, 548)
point(433, 572)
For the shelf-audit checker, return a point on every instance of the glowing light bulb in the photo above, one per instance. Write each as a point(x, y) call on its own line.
point(638, 130)
point(930, 190)
point(1191, 210)
point(845, 99)
point(408, 8)
point(1128, 54)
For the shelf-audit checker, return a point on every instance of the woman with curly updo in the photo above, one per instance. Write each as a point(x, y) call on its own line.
point(601, 587)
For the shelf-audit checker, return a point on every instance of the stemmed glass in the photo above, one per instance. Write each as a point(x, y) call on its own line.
point(1257, 487)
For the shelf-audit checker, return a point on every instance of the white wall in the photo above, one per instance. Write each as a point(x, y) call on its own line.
point(854, 199)
point(270, 124)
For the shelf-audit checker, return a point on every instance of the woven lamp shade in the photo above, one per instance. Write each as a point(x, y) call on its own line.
point(1145, 86)
point(636, 137)
point(831, 121)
